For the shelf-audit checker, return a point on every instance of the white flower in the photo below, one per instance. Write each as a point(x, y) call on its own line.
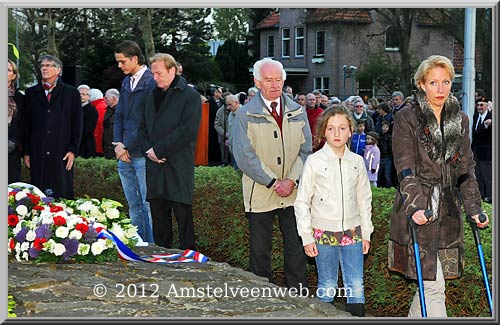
point(22, 210)
point(85, 206)
point(83, 249)
point(25, 256)
point(59, 249)
point(17, 247)
point(30, 235)
point(113, 213)
point(131, 231)
point(62, 232)
point(118, 231)
point(20, 195)
point(98, 246)
point(49, 245)
point(75, 234)
point(25, 246)
point(99, 216)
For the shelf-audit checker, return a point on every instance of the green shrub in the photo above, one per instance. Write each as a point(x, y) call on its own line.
point(11, 306)
point(222, 234)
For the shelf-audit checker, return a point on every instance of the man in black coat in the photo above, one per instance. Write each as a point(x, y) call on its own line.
point(53, 130)
point(169, 129)
point(89, 117)
point(482, 147)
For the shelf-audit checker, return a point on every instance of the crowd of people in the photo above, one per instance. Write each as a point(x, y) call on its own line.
point(308, 159)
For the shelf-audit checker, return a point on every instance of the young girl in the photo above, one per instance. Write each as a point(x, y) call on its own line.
point(333, 210)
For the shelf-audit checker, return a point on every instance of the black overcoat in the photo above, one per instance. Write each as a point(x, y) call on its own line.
point(87, 144)
point(53, 129)
point(171, 132)
point(16, 134)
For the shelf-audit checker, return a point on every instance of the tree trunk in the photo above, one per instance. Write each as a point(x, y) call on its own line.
point(51, 34)
point(147, 32)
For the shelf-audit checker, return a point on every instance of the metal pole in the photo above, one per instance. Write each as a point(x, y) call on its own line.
point(469, 71)
point(17, 43)
point(344, 68)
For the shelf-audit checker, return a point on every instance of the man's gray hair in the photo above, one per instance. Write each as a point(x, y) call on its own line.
point(83, 87)
point(232, 98)
point(252, 90)
point(267, 61)
point(113, 92)
point(398, 93)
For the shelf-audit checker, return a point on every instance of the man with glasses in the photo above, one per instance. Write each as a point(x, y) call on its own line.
point(53, 130)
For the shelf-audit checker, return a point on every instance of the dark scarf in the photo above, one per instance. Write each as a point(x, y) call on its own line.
point(442, 142)
point(12, 103)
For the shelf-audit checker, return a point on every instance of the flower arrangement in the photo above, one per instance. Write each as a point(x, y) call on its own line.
point(44, 230)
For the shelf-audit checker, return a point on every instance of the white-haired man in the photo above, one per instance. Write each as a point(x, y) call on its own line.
point(271, 141)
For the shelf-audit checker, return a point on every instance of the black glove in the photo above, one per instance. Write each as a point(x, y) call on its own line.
point(12, 146)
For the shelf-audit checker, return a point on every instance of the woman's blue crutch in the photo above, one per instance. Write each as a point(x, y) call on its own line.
point(414, 235)
point(477, 239)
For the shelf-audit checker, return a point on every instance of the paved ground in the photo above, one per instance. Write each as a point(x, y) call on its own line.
point(145, 290)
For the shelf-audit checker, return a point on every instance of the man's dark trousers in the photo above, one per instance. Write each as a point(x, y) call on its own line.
point(261, 229)
point(162, 223)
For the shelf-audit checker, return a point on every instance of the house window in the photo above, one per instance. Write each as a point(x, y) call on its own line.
point(270, 46)
point(320, 43)
point(299, 41)
point(285, 42)
point(391, 39)
point(322, 84)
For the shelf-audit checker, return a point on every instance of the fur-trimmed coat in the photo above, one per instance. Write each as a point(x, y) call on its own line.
point(438, 167)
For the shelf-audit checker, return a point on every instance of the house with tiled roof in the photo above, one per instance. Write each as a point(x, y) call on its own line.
point(323, 48)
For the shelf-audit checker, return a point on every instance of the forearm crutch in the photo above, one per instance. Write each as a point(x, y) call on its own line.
point(416, 250)
point(477, 239)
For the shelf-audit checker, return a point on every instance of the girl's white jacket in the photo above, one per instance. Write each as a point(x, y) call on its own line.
point(334, 194)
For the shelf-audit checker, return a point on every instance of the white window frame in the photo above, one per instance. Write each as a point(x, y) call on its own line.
point(321, 82)
point(300, 39)
point(285, 43)
point(324, 42)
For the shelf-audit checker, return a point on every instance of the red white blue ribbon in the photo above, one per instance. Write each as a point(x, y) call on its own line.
point(125, 253)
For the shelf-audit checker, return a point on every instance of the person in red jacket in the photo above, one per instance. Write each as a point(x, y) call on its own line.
point(313, 113)
point(97, 100)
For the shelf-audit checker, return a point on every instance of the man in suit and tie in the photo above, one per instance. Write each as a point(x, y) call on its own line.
point(53, 130)
point(271, 141)
point(482, 147)
point(131, 160)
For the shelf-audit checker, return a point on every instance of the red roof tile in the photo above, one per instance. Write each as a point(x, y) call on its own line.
point(339, 15)
point(458, 58)
point(270, 21)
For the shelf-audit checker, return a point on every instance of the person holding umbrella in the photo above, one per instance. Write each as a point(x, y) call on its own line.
point(435, 168)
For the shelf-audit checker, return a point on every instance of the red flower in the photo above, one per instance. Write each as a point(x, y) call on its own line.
point(34, 198)
point(38, 243)
point(55, 208)
point(38, 207)
point(59, 221)
point(81, 227)
point(13, 219)
point(12, 244)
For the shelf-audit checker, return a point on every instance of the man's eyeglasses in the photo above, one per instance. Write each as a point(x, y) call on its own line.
point(481, 104)
point(47, 66)
point(357, 106)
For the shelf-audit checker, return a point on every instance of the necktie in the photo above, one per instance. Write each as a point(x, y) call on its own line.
point(47, 86)
point(131, 83)
point(274, 113)
point(479, 121)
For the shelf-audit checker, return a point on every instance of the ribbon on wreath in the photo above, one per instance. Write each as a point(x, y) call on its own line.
point(125, 253)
